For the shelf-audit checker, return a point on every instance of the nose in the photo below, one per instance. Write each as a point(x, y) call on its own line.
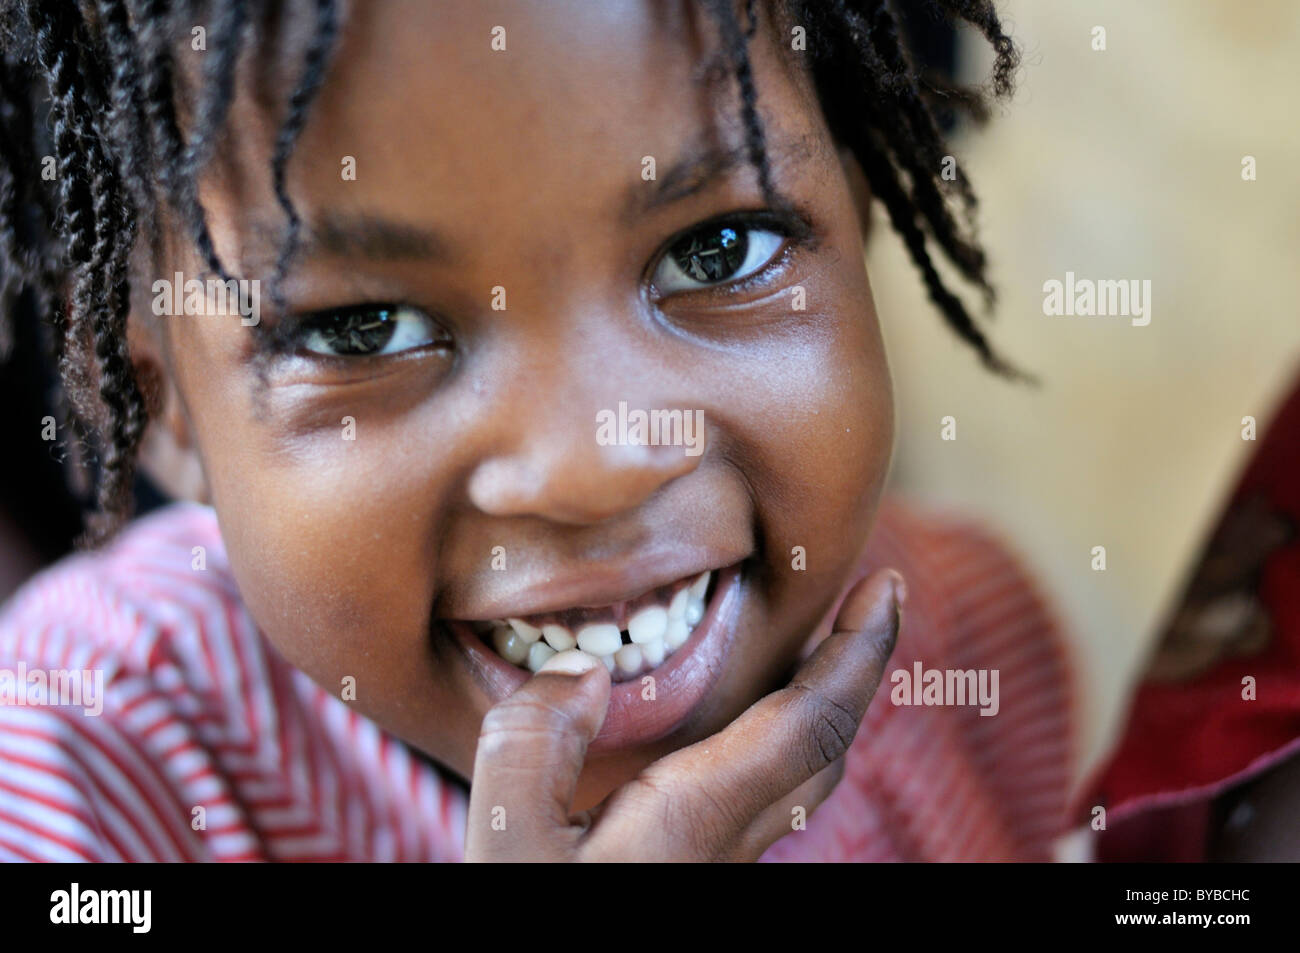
point(569, 484)
point(578, 460)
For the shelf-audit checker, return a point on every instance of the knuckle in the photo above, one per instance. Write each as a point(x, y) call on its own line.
point(831, 728)
point(518, 724)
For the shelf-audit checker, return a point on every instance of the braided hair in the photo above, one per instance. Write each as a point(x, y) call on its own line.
point(95, 85)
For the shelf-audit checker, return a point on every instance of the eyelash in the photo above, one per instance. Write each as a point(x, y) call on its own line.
point(291, 334)
point(793, 227)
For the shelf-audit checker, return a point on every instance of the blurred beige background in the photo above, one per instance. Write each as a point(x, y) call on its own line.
point(1124, 163)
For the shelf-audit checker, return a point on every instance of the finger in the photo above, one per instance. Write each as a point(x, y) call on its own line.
point(712, 791)
point(530, 753)
point(792, 813)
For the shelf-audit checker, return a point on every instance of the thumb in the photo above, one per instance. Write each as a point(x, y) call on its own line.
point(531, 749)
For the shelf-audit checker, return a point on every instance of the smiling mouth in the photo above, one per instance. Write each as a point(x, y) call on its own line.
point(630, 637)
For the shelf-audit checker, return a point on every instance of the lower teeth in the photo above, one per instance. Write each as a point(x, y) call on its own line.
point(653, 634)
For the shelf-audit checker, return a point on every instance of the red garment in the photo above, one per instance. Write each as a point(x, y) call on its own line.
point(200, 711)
point(1190, 734)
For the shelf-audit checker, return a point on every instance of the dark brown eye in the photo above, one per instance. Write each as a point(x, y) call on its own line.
point(369, 330)
point(712, 255)
point(716, 254)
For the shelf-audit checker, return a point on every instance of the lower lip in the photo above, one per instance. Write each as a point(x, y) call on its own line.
point(683, 681)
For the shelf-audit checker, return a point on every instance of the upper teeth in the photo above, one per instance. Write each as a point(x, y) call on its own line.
point(529, 633)
point(647, 625)
point(601, 639)
point(654, 632)
point(558, 637)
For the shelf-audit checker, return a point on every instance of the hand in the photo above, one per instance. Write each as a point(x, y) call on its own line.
point(728, 797)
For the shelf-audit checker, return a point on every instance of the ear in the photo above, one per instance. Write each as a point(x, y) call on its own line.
point(860, 188)
point(168, 453)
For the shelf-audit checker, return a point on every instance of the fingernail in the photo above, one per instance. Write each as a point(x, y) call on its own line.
point(569, 662)
point(900, 588)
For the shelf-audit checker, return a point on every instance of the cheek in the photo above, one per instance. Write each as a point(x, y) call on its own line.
point(334, 548)
point(329, 538)
point(824, 445)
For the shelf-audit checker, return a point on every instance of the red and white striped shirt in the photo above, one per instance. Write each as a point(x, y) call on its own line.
point(202, 720)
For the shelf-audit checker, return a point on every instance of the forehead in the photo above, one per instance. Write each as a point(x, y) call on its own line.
point(488, 105)
point(490, 70)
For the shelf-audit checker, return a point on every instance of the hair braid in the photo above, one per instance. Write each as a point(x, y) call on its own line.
point(981, 15)
point(127, 93)
point(74, 222)
point(14, 269)
point(313, 74)
point(218, 82)
point(154, 18)
point(902, 215)
point(99, 227)
point(878, 37)
point(888, 125)
point(735, 42)
point(25, 256)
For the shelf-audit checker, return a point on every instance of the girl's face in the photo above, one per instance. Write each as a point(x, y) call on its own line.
point(372, 486)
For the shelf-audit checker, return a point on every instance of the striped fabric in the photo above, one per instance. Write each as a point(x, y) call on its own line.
point(947, 783)
point(201, 712)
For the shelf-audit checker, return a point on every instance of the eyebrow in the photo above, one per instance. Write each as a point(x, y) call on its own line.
point(368, 236)
point(379, 239)
point(352, 235)
point(688, 176)
point(697, 170)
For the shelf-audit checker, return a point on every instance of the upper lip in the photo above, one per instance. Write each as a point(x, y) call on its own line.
point(595, 585)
